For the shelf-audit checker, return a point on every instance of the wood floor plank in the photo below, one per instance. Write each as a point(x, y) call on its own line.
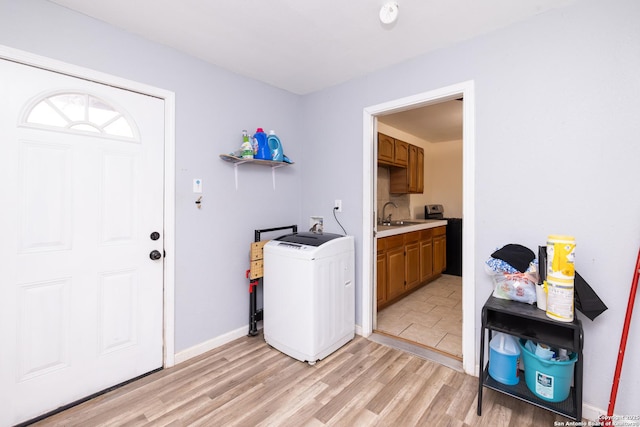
point(395, 386)
point(362, 375)
point(300, 402)
point(438, 405)
point(466, 391)
point(223, 398)
point(354, 412)
point(413, 410)
point(291, 397)
point(300, 417)
point(247, 383)
point(179, 398)
point(359, 365)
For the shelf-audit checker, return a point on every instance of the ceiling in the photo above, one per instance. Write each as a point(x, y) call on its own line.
point(303, 46)
point(434, 123)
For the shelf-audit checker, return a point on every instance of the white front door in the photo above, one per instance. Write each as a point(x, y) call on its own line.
point(81, 194)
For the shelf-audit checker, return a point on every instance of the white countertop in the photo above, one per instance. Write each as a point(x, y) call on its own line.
point(416, 225)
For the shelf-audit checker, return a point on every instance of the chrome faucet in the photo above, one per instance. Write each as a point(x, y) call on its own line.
point(386, 219)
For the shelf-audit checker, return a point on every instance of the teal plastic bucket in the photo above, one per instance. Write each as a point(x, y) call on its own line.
point(503, 358)
point(550, 380)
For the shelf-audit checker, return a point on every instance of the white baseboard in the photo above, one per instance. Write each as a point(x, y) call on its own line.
point(591, 413)
point(216, 342)
point(208, 345)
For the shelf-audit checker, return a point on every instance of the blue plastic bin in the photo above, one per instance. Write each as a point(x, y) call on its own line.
point(550, 380)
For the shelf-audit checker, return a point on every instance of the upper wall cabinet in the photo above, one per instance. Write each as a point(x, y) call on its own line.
point(407, 173)
point(392, 152)
point(411, 178)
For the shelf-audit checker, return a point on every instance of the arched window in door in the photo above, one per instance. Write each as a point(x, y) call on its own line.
point(78, 112)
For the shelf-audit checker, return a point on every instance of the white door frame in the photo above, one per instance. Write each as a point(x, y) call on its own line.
point(466, 90)
point(169, 168)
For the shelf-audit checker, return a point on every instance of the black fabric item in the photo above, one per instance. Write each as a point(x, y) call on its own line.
point(516, 256)
point(542, 263)
point(586, 300)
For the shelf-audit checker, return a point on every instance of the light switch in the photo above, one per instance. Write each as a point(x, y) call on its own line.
point(197, 185)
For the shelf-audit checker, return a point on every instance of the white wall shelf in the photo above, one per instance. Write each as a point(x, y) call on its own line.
point(240, 161)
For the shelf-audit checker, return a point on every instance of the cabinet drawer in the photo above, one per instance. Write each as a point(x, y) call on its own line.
point(393, 241)
point(439, 231)
point(426, 234)
point(412, 237)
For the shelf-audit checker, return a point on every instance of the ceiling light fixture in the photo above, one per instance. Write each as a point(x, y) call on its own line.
point(389, 12)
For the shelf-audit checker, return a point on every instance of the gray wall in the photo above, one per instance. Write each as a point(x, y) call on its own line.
point(557, 101)
point(212, 108)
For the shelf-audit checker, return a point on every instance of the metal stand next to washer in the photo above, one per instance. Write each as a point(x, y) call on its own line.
point(255, 314)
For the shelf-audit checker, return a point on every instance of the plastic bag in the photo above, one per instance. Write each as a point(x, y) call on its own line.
point(515, 286)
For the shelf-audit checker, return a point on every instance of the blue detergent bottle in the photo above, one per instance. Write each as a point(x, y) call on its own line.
point(263, 152)
point(275, 146)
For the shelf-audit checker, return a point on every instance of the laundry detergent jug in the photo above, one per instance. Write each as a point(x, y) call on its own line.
point(262, 152)
point(503, 358)
point(275, 146)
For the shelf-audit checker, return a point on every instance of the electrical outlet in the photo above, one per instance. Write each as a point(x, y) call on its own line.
point(338, 205)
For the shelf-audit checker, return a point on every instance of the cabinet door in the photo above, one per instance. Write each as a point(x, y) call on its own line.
point(420, 171)
point(381, 279)
point(409, 179)
point(439, 253)
point(398, 180)
point(412, 169)
point(412, 254)
point(426, 259)
point(401, 155)
point(386, 149)
point(395, 272)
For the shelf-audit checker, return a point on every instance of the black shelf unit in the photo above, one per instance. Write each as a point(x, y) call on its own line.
point(528, 322)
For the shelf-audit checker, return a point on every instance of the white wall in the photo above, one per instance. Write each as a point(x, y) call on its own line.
point(442, 178)
point(213, 106)
point(561, 87)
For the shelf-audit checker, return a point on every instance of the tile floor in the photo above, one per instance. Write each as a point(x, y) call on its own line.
point(430, 316)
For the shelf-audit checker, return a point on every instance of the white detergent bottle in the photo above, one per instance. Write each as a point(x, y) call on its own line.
point(246, 147)
point(275, 146)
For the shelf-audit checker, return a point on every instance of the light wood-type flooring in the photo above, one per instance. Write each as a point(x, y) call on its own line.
point(431, 316)
point(248, 383)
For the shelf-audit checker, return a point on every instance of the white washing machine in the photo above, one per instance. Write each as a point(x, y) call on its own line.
point(309, 294)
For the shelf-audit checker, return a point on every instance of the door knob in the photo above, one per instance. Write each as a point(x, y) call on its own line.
point(155, 255)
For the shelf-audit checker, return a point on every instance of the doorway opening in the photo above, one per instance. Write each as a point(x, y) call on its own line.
point(373, 122)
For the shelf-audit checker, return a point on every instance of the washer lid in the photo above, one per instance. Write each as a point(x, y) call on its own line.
point(308, 239)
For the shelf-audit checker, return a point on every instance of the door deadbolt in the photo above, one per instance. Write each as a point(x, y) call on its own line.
point(155, 235)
